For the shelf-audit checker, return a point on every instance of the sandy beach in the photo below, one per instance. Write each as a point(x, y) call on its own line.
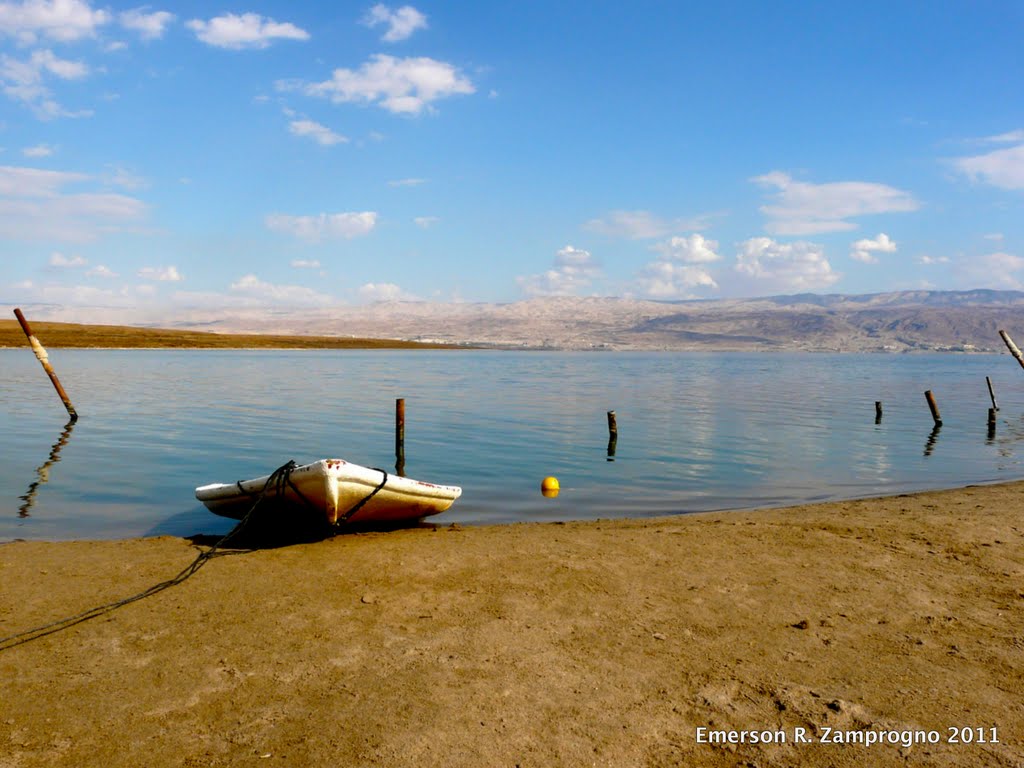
point(610, 643)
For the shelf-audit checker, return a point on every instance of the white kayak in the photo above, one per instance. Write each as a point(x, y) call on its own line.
point(344, 492)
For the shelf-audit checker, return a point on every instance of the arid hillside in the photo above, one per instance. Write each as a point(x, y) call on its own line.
point(891, 322)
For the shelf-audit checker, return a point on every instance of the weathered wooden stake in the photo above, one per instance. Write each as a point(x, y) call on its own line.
point(992, 416)
point(44, 360)
point(1013, 348)
point(935, 409)
point(613, 435)
point(991, 393)
point(400, 436)
point(878, 411)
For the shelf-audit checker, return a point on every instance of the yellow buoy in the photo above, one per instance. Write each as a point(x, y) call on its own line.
point(549, 487)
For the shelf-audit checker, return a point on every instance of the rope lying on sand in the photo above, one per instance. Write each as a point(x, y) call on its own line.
point(275, 487)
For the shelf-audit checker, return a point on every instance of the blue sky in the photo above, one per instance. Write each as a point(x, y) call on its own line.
point(277, 154)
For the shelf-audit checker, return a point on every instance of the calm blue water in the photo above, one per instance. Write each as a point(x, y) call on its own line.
point(696, 431)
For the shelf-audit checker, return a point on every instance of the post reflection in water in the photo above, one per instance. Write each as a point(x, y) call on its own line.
point(933, 438)
point(1010, 435)
point(43, 473)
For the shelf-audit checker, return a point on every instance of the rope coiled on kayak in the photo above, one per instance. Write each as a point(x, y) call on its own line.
point(274, 487)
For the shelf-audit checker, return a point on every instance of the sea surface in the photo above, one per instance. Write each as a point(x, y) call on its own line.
point(695, 431)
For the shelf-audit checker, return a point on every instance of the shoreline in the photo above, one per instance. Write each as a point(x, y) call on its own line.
point(537, 644)
point(440, 522)
point(57, 335)
point(61, 335)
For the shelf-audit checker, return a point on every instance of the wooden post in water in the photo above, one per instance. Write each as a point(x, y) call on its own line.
point(934, 408)
point(400, 436)
point(613, 435)
point(1013, 348)
point(878, 411)
point(44, 360)
point(991, 393)
point(991, 424)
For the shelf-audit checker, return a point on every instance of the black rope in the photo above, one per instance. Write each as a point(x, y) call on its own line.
point(359, 504)
point(275, 485)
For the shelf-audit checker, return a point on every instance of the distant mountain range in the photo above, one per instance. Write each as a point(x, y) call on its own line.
point(901, 321)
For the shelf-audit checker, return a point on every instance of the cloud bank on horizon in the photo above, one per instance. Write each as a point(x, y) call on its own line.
point(314, 155)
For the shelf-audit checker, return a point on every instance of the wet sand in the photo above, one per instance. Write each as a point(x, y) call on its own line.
point(608, 643)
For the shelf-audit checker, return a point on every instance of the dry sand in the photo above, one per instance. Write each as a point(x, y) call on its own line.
point(607, 643)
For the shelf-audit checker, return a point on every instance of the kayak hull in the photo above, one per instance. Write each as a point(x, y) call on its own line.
point(339, 490)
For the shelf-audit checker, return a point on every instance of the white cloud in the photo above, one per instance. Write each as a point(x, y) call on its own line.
point(669, 280)
point(997, 236)
point(24, 80)
point(641, 225)
point(250, 30)
point(801, 208)
point(690, 250)
point(29, 72)
point(275, 293)
point(124, 178)
point(401, 23)
point(101, 270)
point(61, 20)
point(150, 26)
point(796, 266)
point(402, 86)
point(1002, 168)
point(79, 295)
point(574, 269)
point(39, 150)
point(321, 134)
point(864, 250)
point(929, 260)
point(60, 261)
point(160, 274)
point(425, 222)
point(34, 182)
point(325, 226)
point(34, 206)
point(406, 182)
point(999, 262)
point(994, 270)
point(384, 292)
point(1010, 137)
point(305, 264)
point(675, 273)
